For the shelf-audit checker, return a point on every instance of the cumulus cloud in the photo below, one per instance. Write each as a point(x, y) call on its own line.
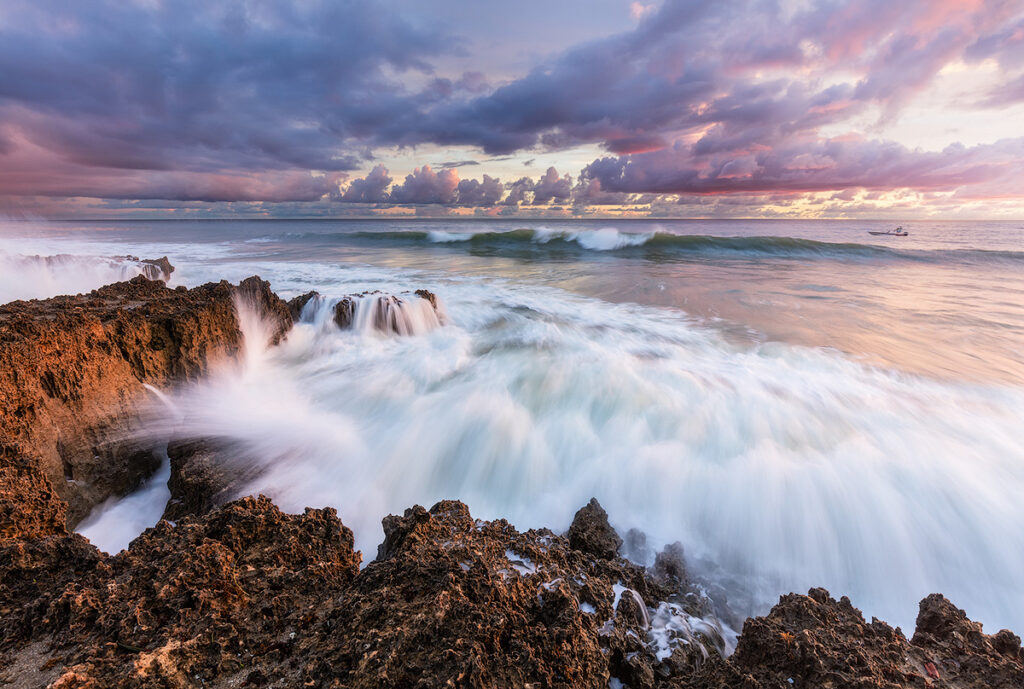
point(424, 185)
point(485, 192)
point(551, 187)
point(370, 189)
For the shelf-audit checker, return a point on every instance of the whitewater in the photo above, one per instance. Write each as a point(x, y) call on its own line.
point(794, 404)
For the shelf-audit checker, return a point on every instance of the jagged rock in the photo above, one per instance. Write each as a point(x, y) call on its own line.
point(591, 532)
point(157, 268)
point(200, 480)
point(635, 548)
point(389, 313)
point(244, 595)
point(428, 295)
point(29, 506)
point(670, 567)
point(816, 641)
point(345, 312)
point(204, 600)
point(74, 367)
point(297, 304)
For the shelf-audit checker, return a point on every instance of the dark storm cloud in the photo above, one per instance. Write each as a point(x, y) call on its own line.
point(205, 87)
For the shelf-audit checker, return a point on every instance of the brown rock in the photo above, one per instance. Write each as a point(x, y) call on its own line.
point(296, 305)
point(74, 367)
point(591, 533)
point(157, 268)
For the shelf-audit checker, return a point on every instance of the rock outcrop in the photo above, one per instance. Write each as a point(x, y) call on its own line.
point(248, 596)
point(817, 641)
point(242, 595)
point(591, 532)
point(75, 367)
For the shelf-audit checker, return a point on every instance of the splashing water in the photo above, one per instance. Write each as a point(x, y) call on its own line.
point(39, 277)
point(380, 313)
point(787, 467)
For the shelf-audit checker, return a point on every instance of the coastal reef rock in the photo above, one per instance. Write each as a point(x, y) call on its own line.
point(152, 268)
point(591, 532)
point(242, 595)
point(74, 370)
point(246, 596)
point(816, 641)
point(375, 311)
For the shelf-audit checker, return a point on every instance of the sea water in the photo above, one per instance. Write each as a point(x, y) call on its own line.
point(798, 402)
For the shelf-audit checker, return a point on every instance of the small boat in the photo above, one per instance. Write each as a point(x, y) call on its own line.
point(898, 232)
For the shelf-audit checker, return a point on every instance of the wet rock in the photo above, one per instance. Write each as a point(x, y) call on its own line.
point(157, 268)
point(297, 304)
point(345, 312)
point(816, 641)
point(591, 533)
point(388, 313)
point(201, 478)
point(428, 295)
point(635, 548)
point(72, 384)
point(202, 601)
point(670, 567)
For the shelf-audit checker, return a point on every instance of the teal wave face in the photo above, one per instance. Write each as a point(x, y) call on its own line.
point(538, 243)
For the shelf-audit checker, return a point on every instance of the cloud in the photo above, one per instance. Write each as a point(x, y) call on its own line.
point(370, 189)
point(425, 186)
point(189, 100)
point(551, 187)
point(812, 165)
point(195, 87)
point(485, 192)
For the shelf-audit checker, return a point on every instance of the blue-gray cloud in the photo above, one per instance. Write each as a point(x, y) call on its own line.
point(186, 100)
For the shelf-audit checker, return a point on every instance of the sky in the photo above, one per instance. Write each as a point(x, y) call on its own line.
point(576, 108)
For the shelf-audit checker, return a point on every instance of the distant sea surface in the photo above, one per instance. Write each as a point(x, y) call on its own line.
point(799, 403)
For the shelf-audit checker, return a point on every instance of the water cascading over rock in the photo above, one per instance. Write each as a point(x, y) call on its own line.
point(376, 312)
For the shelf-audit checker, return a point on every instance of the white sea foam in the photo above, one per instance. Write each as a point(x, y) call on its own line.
point(789, 467)
point(604, 239)
point(609, 239)
point(445, 237)
point(113, 524)
point(39, 277)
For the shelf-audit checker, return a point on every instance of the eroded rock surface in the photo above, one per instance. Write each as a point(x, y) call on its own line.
point(243, 595)
point(246, 595)
point(817, 641)
point(75, 367)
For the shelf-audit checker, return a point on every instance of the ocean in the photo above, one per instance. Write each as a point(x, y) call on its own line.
point(799, 403)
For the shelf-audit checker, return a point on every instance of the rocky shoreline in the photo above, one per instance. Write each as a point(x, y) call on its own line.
point(239, 594)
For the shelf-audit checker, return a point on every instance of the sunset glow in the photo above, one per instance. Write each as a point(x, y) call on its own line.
point(672, 109)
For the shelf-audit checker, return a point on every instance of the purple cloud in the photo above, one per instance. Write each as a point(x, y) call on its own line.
point(191, 101)
point(370, 189)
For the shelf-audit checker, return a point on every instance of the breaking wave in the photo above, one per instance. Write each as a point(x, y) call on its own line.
point(539, 242)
